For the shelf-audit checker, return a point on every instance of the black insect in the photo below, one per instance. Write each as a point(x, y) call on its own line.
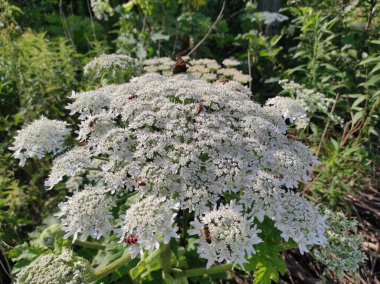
point(206, 234)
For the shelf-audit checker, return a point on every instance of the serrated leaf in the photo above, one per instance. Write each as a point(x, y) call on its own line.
point(261, 276)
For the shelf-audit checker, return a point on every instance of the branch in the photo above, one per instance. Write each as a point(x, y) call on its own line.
point(209, 31)
point(326, 127)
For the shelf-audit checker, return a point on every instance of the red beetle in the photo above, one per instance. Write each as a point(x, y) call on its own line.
point(130, 240)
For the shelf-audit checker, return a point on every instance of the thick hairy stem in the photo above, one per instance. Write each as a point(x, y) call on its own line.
point(177, 273)
point(166, 256)
point(90, 245)
point(104, 271)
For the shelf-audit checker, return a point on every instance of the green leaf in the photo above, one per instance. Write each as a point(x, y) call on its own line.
point(376, 68)
point(373, 80)
point(129, 5)
point(369, 60)
point(358, 101)
point(266, 264)
point(356, 117)
point(150, 263)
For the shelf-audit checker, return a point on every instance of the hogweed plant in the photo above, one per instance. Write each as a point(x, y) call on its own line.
point(207, 69)
point(173, 177)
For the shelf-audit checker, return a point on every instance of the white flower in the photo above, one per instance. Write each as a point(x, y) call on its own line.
point(342, 253)
point(207, 69)
point(270, 17)
point(289, 108)
point(184, 144)
point(311, 100)
point(261, 199)
point(230, 62)
point(301, 222)
point(111, 69)
point(90, 103)
point(231, 235)
point(86, 213)
point(41, 136)
point(51, 268)
point(101, 9)
point(190, 139)
point(68, 164)
point(95, 127)
point(151, 221)
point(114, 63)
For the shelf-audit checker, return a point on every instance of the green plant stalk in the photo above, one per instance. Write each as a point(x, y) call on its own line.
point(102, 272)
point(178, 273)
point(366, 122)
point(90, 245)
point(166, 256)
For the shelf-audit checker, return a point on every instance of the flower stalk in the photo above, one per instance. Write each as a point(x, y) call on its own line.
point(104, 271)
point(178, 273)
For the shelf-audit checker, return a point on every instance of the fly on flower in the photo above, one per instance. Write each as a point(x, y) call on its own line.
point(132, 97)
point(200, 108)
point(62, 151)
point(206, 234)
point(130, 240)
point(139, 181)
point(291, 135)
point(92, 123)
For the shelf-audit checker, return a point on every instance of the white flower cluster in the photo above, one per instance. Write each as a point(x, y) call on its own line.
point(51, 268)
point(184, 144)
point(342, 253)
point(311, 100)
point(150, 220)
point(270, 17)
point(86, 213)
point(225, 235)
point(112, 68)
point(300, 221)
point(163, 65)
point(207, 69)
point(68, 164)
point(290, 109)
point(101, 9)
point(230, 62)
point(41, 136)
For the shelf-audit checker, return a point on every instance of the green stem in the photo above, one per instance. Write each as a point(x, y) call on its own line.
point(90, 245)
point(102, 272)
point(177, 273)
point(166, 256)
